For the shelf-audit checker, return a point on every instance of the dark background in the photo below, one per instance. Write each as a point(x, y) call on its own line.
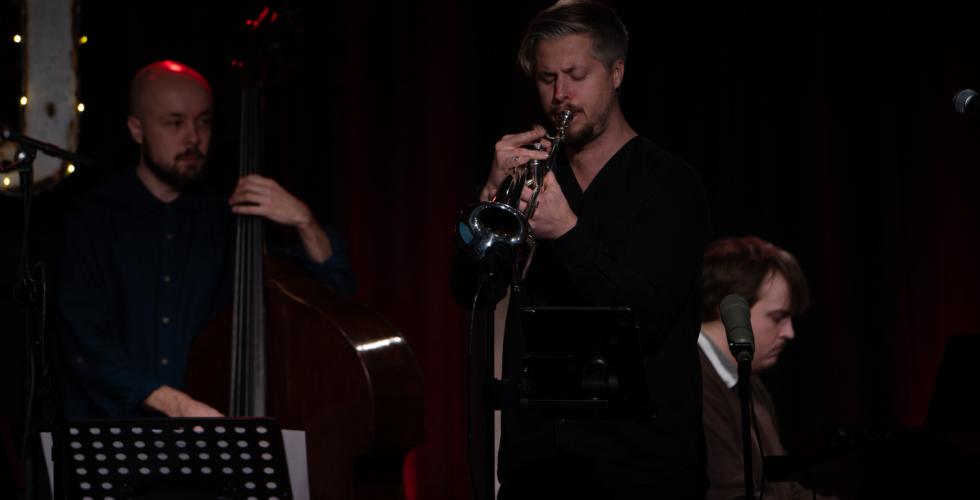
point(826, 128)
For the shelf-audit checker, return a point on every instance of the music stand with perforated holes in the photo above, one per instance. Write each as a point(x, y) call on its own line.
point(186, 458)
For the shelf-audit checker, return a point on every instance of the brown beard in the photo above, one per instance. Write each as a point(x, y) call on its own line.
point(592, 129)
point(171, 175)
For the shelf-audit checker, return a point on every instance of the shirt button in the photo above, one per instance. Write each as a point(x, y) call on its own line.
point(165, 320)
point(166, 278)
point(164, 361)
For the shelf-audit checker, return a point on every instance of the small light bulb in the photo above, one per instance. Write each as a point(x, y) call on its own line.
point(83, 40)
point(17, 38)
point(71, 168)
point(23, 100)
point(80, 107)
point(6, 182)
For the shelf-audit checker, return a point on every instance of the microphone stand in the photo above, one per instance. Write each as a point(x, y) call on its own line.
point(31, 292)
point(745, 397)
point(26, 290)
point(484, 389)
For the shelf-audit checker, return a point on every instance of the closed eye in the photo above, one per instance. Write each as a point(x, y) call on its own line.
point(779, 316)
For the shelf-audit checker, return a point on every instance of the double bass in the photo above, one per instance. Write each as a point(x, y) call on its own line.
point(294, 350)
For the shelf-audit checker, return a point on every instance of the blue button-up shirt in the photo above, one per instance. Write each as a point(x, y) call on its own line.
point(139, 278)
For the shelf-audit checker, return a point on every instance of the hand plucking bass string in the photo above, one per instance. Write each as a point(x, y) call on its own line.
point(552, 217)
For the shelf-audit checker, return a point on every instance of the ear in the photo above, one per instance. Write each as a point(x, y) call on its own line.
point(618, 70)
point(135, 129)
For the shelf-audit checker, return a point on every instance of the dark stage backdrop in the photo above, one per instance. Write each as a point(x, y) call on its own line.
point(826, 128)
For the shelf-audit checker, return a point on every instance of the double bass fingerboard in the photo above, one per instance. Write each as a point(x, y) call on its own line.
point(248, 362)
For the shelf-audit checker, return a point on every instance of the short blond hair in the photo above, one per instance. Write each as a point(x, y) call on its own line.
point(576, 17)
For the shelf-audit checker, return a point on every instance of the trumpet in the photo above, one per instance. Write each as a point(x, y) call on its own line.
point(498, 227)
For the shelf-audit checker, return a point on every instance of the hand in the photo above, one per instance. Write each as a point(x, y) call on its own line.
point(553, 217)
point(174, 403)
point(257, 195)
point(509, 154)
point(262, 196)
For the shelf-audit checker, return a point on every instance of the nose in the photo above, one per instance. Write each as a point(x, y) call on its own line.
point(193, 135)
point(788, 333)
point(561, 90)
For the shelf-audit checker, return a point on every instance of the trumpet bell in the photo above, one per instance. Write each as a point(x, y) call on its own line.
point(486, 224)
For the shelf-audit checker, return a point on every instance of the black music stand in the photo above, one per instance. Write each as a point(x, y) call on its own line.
point(582, 361)
point(186, 458)
point(954, 403)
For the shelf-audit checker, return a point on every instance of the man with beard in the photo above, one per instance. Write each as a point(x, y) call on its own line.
point(620, 222)
point(147, 256)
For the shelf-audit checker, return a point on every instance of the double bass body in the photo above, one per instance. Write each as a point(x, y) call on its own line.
point(335, 370)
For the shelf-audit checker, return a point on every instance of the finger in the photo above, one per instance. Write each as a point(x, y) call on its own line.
point(520, 156)
point(249, 197)
point(212, 411)
point(259, 179)
point(207, 411)
point(526, 194)
point(520, 139)
point(545, 144)
point(550, 182)
point(250, 210)
point(254, 181)
point(244, 187)
point(247, 189)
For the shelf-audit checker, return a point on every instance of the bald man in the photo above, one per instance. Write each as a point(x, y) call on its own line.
point(147, 260)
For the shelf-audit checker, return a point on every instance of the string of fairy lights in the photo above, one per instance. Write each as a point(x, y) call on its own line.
point(24, 101)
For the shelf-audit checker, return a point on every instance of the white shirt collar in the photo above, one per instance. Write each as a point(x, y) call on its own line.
point(726, 368)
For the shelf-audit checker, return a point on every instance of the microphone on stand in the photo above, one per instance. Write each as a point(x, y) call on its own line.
point(736, 317)
point(9, 134)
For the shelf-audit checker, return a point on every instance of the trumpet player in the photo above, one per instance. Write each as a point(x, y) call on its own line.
point(619, 222)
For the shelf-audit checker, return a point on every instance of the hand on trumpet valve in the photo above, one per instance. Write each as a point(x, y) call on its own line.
point(552, 217)
point(510, 152)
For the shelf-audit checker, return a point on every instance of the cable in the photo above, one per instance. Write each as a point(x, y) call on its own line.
point(469, 379)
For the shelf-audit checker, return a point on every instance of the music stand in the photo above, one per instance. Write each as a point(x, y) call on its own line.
point(582, 361)
point(187, 458)
point(953, 402)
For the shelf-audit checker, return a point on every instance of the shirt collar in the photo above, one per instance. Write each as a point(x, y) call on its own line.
point(726, 368)
point(191, 200)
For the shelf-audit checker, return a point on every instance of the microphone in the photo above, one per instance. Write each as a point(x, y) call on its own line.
point(736, 317)
point(966, 103)
point(9, 134)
